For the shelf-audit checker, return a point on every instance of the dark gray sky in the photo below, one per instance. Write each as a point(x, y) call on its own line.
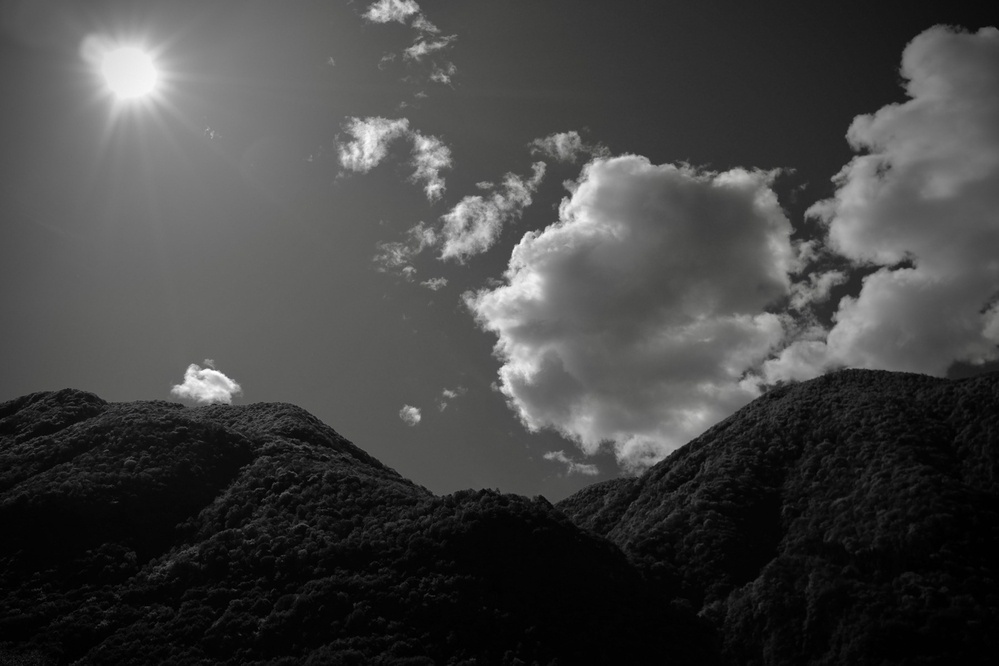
point(578, 227)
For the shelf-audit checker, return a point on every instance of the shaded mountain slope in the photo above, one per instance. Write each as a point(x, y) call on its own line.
point(850, 519)
point(152, 533)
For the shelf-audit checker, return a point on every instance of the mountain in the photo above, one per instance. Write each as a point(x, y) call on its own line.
point(149, 532)
point(849, 519)
point(852, 519)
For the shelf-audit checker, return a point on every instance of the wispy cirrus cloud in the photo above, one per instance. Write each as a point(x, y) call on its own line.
point(206, 385)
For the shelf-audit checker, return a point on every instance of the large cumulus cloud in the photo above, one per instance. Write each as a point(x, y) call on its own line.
point(636, 318)
point(922, 204)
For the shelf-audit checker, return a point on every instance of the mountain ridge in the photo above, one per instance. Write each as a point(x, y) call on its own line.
point(839, 474)
point(850, 519)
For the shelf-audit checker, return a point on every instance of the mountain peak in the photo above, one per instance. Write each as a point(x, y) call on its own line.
point(850, 519)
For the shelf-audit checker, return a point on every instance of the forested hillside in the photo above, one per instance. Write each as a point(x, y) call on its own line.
point(153, 533)
point(853, 519)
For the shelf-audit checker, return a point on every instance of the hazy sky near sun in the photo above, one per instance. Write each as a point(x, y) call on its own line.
point(525, 244)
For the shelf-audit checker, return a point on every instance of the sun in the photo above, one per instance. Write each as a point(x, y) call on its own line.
point(130, 72)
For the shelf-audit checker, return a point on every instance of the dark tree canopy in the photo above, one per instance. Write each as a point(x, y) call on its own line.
point(850, 519)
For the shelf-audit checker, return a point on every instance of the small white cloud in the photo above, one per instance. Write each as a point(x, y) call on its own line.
point(206, 385)
point(474, 224)
point(447, 395)
point(434, 284)
point(371, 139)
point(572, 467)
point(387, 60)
point(410, 415)
point(396, 256)
point(423, 25)
point(566, 147)
point(443, 73)
point(430, 157)
point(422, 48)
point(386, 11)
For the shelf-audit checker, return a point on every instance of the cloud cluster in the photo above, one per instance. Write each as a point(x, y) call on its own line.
point(571, 466)
point(921, 203)
point(206, 385)
point(471, 227)
point(566, 147)
point(637, 317)
point(369, 143)
point(427, 48)
point(474, 224)
point(410, 415)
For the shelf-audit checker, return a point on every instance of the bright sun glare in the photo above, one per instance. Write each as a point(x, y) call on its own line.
point(129, 72)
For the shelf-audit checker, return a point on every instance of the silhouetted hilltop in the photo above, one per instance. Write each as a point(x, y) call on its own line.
point(852, 519)
point(149, 532)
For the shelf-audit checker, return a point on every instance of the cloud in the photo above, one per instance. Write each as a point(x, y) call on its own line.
point(920, 203)
point(410, 415)
point(371, 139)
point(386, 11)
point(566, 147)
point(443, 73)
point(434, 284)
point(816, 289)
point(427, 45)
point(422, 48)
point(572, 467)
point(430, 157)
point(397, 256)
point(206, 385)
point(636, 317)
point(423, 25)
point(447, 395)
point(475, 223)
point(370, 142)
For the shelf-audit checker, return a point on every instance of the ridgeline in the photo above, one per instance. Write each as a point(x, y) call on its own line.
point(852, 519)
